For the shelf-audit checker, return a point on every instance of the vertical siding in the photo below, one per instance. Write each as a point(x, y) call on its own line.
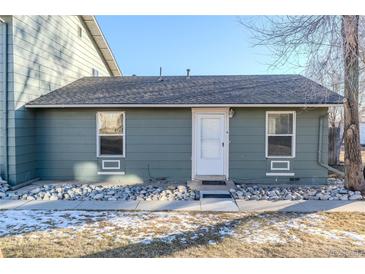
point(158, 144)
point(48, 53)
point(247, 147)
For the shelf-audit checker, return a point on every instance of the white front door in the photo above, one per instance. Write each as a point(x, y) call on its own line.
point(209, 141)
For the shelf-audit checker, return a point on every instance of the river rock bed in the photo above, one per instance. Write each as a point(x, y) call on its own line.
point(335, 190)
point(4, 187)
point(166, 192)
point(84, 192)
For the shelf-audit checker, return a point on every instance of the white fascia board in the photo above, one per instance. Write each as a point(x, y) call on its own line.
point(178, 106)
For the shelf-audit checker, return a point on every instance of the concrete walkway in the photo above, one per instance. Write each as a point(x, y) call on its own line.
point(222, 205)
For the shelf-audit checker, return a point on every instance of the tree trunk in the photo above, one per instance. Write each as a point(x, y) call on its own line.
point(333, 136)
point(354, 178)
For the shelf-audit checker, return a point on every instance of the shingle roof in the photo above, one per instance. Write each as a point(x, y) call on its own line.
point(197, 90)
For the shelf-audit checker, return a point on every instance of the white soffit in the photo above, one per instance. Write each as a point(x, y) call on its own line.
point(101, 42)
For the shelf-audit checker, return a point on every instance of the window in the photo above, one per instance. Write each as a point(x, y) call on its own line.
point(94, 72)
point(110, 133)
point(280, 134)
point(79, 30)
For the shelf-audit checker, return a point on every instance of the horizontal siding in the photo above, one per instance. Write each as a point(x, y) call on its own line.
point(8, 20)
point(247, 147)
point(158, 143)
point(47, 54)
point(2, 129)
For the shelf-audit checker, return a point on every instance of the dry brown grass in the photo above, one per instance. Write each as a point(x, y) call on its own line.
point(255, 235)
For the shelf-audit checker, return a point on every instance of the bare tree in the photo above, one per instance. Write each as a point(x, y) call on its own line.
point(354, 178)
point(330, 47)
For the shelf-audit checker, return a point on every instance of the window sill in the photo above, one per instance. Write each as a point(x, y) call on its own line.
point(283, 174)
point(111, 173)
point(280, 157)
point(110, 156)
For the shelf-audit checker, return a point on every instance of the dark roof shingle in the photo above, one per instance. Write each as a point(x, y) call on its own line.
point(197, 90)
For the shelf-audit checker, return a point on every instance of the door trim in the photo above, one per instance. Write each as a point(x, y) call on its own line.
point(225, 112)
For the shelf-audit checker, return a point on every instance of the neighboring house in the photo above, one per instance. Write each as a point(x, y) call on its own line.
point(38, 55)
point(259, 128)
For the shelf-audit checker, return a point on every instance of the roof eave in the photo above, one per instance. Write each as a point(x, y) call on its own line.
point(99, 39)
point(176, 105)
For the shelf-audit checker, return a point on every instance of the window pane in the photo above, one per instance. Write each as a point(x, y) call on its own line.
point(110, 122)
point(210, 128)
point(280, 146)
point(280, 123)
point(111, 145)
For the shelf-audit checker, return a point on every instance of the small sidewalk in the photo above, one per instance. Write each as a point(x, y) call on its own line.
point(204, 205)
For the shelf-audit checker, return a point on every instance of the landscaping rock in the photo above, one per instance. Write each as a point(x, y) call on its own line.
point(4, 187)
point(78, 192)
point(334, 190)
point(356, 197)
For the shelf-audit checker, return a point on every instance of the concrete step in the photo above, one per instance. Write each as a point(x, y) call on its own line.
point(198, 186)
point(209, 194)
point(217, 203)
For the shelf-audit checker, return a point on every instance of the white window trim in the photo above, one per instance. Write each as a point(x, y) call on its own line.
point(98, 139)
point(111, 173)
point(110, 161)
point(279, 168)
point(267, 134)
point(94, 72)
point(280, 174)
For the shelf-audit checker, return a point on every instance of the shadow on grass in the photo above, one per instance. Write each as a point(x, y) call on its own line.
point(205, 236)
point(167, 245)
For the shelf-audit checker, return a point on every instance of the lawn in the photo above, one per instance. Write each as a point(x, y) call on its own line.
point(179, 234)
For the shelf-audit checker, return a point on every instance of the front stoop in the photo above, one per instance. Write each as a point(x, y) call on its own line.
point(198, 186)
point(226, 204)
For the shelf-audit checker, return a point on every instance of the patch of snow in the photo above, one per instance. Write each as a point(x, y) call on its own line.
point(135, 227)
point(168, 227)
point(224, 231)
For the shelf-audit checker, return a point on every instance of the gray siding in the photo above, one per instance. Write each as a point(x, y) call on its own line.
point(247, 147)
point(47, 54)
point(8, 20)
point(158, 144)
point(2, 130)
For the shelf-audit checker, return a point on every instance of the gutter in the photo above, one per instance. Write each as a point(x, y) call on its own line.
point(177, 105)
point(320, 140)
point(5, 98)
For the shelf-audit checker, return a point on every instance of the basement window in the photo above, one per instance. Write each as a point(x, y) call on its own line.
point(110, 134)
point(280, 134)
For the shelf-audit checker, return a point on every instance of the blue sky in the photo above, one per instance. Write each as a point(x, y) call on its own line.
point(213, 45)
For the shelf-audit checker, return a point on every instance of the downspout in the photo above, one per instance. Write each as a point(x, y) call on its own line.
point(320, 140)
point(5, 97)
